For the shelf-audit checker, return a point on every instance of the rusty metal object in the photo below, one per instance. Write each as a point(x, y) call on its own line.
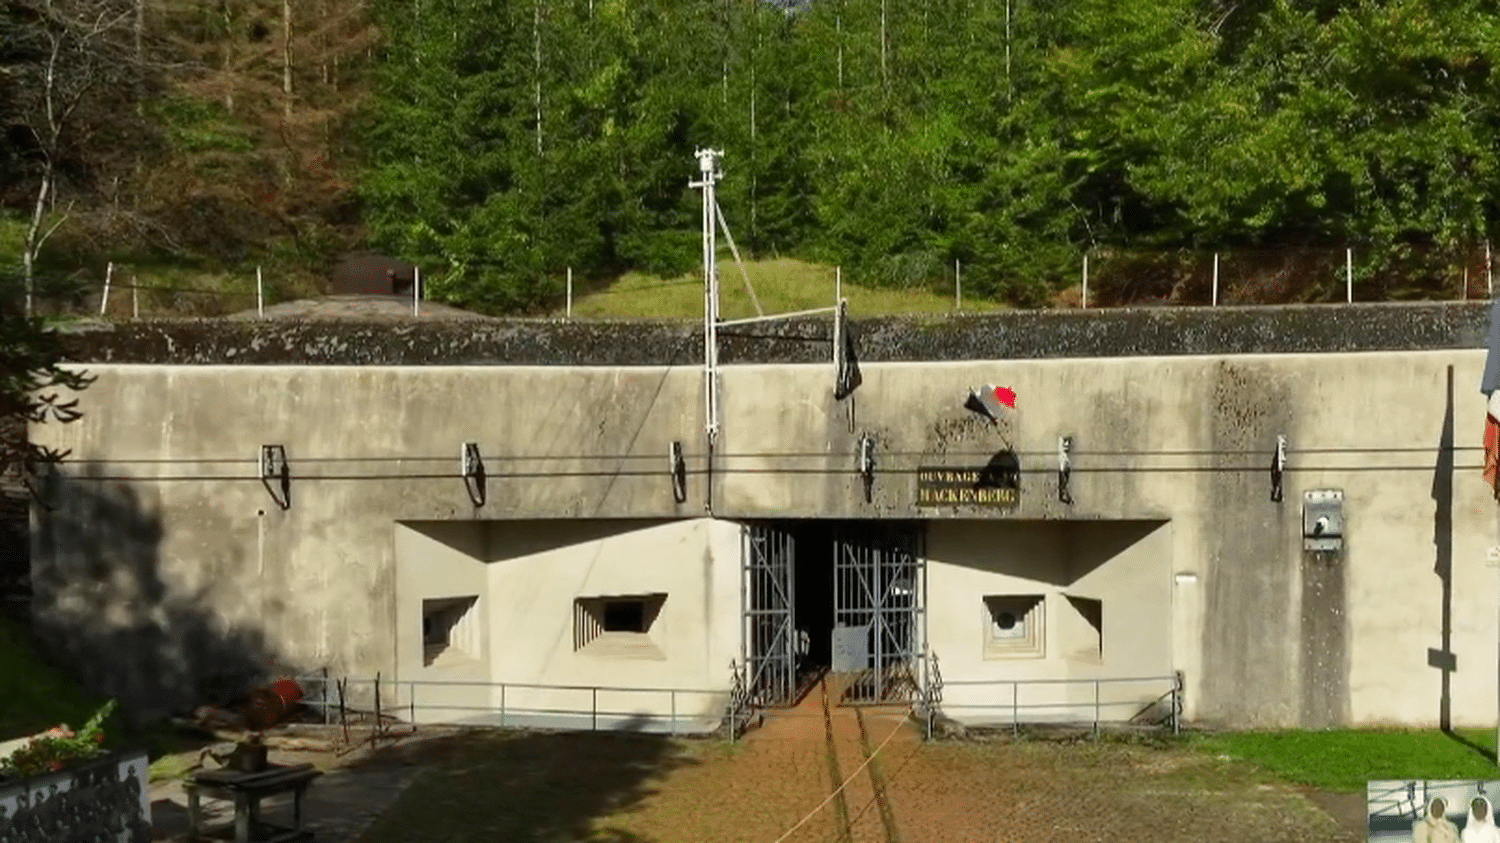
point(272, 705)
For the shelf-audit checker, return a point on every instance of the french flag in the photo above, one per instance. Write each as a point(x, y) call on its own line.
point(991, 401)
point(1490, 386)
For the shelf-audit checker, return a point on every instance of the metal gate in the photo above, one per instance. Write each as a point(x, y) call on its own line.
point(880, 631)
point(768, 639)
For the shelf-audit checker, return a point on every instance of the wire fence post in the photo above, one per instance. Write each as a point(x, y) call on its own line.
point(135, 298)
point(570, 293)
point(416, 291)
point(1216, 279)
point(260, 294)
point(673, 695)
point(1349, 274)
point(327, 709)
point(1085, 279)
point(109, 274)
point(958, 287)
point(1463, 293)
point(502, 705)
point(594, 709)
point(411, 699)
point(1489, 275)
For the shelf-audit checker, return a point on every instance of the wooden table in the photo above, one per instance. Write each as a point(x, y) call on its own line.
point(246, 790)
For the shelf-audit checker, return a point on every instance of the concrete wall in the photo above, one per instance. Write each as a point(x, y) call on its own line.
point(165, 559)
point(1126, 566)
point(527, 576)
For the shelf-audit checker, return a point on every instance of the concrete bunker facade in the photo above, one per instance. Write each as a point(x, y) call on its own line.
point(249, 498)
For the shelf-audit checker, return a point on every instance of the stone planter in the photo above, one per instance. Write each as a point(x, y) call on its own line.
point(95, 800)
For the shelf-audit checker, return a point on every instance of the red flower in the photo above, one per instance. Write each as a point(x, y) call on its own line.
point(54, 766)
point(98, 737)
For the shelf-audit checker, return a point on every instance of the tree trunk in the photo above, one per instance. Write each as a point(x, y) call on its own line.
point(34, 236)
point(536, 36)
point(286, 56)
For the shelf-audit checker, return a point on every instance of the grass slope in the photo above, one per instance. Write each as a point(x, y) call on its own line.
point(36, 695)
point(1345, 759)
point(782, 286)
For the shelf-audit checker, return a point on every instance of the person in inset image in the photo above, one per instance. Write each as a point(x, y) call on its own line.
point(1480, 827)
point(1433, 827)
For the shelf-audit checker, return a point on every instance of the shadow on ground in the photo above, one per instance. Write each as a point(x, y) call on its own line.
point(486, 786)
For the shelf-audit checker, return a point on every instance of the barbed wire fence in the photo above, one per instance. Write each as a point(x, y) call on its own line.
point(1106, 278)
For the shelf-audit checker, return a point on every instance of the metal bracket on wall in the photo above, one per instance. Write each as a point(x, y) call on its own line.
point(276, 474)
point(867, 464)
point(471, 466)
point(1278, 465)
point(677, 466)
point(1064, 468)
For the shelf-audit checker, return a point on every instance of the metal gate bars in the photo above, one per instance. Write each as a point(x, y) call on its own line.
point(766, 606)
point(879, 632)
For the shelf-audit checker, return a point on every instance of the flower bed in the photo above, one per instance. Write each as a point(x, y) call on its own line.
point(62, 786)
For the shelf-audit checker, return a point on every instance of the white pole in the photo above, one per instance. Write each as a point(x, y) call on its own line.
point(109, 273)
point(1349, 274)
point(260, 294)
point(1085, 279)
point(570, 292)
point(135, 298)
point(416, 291)
point(1489, 276)
point(1216, 279)
point(958, 287)
point(838, 285)
point(1463, 295)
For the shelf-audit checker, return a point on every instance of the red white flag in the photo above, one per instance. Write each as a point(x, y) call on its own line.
point(991, 401)
point(1492, 444)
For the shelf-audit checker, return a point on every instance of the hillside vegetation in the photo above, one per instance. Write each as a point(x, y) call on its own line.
point(498, 143)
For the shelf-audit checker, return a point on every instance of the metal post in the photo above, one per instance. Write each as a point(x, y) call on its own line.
point(109, 274)
point(411, 698)
point(958, 287)
point(673, 695)
point(416, 291)
point(260, 295)
point(502, 705)
point(1085, 279)
point(1463, 293)
point(135, 297)
point(1216, 279)
point(570, 292)
point(327, 709)
point(1489, 275)
point(1177, 702)
point(1096, 708)
point(1015, 709)
point(594, 709)
point(1349, 273)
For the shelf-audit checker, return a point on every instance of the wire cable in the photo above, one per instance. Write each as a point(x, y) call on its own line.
point(840, 788)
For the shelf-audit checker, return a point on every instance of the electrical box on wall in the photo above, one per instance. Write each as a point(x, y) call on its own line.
point(1323, 520)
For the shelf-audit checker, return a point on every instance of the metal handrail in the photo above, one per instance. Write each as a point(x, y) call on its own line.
point(1174, 715)
point(505, 709)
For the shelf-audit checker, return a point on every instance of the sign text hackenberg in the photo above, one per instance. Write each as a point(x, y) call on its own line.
point(960, 487)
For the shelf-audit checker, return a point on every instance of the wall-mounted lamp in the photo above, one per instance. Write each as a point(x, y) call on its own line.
point(471, 466)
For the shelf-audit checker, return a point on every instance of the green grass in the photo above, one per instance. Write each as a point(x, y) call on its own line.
point(43, 697)
point(1345, 759)
point(782, 286)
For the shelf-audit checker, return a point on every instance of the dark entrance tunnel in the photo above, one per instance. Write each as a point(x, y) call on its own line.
point(813, 589)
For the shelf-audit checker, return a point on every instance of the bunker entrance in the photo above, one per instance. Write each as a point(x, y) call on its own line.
point(841, 597)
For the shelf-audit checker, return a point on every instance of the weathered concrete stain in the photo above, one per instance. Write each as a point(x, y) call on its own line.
point(1246, 536)
point(1014, 335)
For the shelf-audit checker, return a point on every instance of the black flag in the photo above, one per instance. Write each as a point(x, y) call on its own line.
point(848, 377)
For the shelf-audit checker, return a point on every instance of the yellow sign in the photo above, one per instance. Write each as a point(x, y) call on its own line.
point(962, 487)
